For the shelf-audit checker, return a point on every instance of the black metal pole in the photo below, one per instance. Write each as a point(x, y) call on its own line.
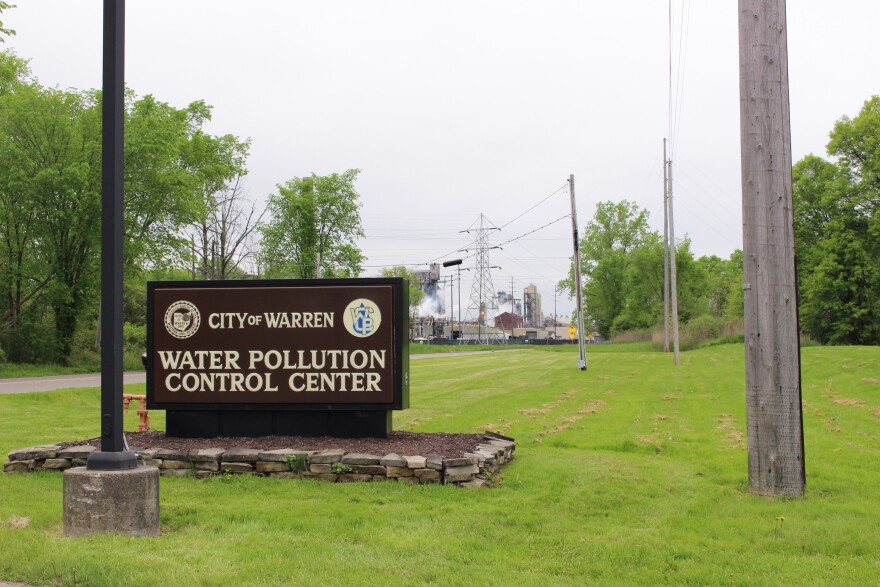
point(112, 455)
point(460, 328)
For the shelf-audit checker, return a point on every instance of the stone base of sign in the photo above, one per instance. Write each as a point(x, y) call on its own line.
point(474, 469)
point(255, 423)
point(111, 502)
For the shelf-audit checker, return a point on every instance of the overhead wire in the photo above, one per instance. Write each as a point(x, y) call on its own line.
point(473, 242)
point(683, 37)
point(675, 98)
point(509, 222)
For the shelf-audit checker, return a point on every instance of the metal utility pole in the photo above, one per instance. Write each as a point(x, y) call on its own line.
point(582, 347)
point(451, 300)
point(460, 327)
point(456, 263)
point(773, 368)
point(672, 273)
point(512, 308)
point(112, 456)
point(665, 254)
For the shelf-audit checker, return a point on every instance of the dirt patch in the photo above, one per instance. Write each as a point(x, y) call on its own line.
point(847, 402)
point(18, 523)
point(403, 443)
point(734, 439)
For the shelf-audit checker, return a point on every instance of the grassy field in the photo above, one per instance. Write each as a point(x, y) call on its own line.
point(632, 473)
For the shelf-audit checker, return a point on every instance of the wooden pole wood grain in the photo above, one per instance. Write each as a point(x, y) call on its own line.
point(773, 379)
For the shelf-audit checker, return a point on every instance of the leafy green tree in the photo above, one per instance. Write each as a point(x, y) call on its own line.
point(24, 274)
point(5, 31)
point(416, 295)
point(615, 230)
point(837, 231)
point(313, 222)
point(52, 146)
point(50, 195)
point(723, 285)
point(691, 283)
point(642, 291)
point(176, 175)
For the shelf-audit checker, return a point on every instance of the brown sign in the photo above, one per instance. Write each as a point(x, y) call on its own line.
point(272, 343)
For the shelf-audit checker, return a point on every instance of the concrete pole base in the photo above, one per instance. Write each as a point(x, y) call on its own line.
point(113, 502)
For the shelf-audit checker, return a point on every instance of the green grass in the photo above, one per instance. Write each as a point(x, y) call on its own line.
point(14, 370)
point(631, 473)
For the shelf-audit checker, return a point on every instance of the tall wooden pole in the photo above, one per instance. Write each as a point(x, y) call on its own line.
point(665, 254)
point(582, 347)
point(773, 382)
point(673, 274)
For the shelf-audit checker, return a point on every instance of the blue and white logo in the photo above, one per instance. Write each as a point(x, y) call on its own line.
point(362, 318)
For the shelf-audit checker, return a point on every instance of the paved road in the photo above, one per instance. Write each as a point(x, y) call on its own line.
point(32, 384)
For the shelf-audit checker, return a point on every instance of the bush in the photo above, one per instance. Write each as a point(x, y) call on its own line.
point(700, 331)
point(134, 338)
point(633, 336)
point(704, 328)
point(32, 340)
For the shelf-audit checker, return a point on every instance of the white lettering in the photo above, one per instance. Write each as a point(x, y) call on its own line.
point(358, 359)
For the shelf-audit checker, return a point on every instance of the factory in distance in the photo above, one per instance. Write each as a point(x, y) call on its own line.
point(497, 318)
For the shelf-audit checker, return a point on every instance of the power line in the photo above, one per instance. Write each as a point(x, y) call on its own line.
point(561, 188)
point(536, 230)
point(676, 98)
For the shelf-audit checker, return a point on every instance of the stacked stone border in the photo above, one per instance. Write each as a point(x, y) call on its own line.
point(474, 469)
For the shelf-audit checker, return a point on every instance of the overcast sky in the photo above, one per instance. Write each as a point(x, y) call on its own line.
point(459, 109)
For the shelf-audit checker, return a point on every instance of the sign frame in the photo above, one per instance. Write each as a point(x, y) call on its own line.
point(398, 321)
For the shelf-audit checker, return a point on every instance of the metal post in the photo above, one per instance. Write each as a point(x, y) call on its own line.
point(456, 262)
point(460, 327)
point(112, 457)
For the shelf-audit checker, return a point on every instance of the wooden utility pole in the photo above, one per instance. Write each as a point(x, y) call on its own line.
point(582, 348)
point(773, 381)
point(673, 279)
point(665, 254)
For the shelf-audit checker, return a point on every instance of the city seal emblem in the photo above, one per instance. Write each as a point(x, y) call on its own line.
point(182, 319)
point(362, 318)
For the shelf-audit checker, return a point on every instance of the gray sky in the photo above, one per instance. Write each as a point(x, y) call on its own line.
point(457, 109)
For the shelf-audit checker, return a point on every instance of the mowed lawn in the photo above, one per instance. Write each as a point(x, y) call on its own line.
point(631, 473)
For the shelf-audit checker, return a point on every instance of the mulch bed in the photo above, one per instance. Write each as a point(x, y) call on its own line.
point(448, 446)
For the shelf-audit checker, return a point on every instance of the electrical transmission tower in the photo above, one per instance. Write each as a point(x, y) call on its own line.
point(483, 301)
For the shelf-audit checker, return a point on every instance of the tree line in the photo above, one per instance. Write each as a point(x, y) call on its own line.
point(186, 214)
point(622, 267)
point(837, 239)
point(187, 217)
